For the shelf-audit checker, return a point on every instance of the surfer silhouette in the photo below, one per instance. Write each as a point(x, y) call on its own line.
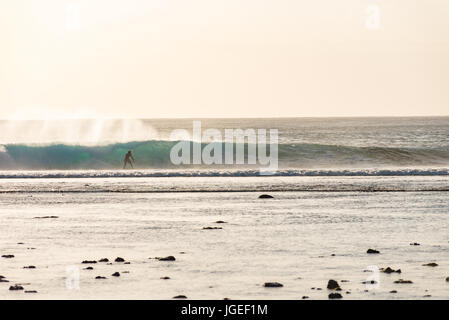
point(128, 158)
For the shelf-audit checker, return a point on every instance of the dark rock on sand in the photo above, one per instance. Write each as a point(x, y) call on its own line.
point(127, 262)
point(220, 221)
point(100, 277)
point(31, 291)
point(427, 296)
point(265, 196)
point(447, 279)
point(8, 256)
point(116, 274)
point(180, 297)
point(3, 280)
point(89, 261)
point(332, 284)
point(393, 291)
point(389, 270)
point(372, 251)
point(88, 268)
point(403, 281)
point(169, 258)
point(273, 285)
point(305, 297)
point(414, 244)
point(369, 282)
point(335, 295)
point(212, 228)
point(431, 264)
point(104, 260)
point(29, 267)
point(165, 278)
point(16, 287)
point(20, 243)
point(118, 259)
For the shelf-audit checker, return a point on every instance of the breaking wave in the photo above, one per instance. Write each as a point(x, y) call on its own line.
point(156, 155)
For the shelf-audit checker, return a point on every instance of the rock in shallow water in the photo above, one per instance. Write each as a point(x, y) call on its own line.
point(389, 270)
point(265, 196)
point(169, 258)
point(15, 288)
point(403, 281)
point(273, 285)
point(332, 285)
point(431, 264)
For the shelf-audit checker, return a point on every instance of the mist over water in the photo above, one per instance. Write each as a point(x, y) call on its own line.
point(75, 132)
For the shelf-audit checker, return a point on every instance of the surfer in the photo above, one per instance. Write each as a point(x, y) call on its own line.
point(128, 158)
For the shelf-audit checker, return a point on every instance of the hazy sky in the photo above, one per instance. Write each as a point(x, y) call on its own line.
point(223, 58)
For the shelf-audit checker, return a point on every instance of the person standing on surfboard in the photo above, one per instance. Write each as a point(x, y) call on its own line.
point(128, 158)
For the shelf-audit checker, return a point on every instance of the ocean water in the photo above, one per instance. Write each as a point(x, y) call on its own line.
point(330, 144)
point(343, 186)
